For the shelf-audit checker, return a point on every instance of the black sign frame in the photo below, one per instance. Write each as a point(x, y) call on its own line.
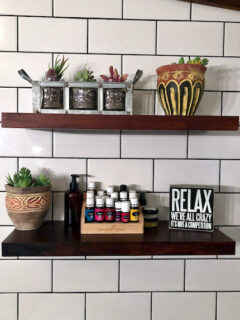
point(198, 195)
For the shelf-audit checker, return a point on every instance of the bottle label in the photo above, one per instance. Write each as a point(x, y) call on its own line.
point(109, 214)
point(99, 214)
point(118, 216)
point(134, 215)
point(125, 217)
point(89, 214)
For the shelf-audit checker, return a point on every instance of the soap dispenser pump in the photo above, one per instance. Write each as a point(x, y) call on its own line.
point(73, 203)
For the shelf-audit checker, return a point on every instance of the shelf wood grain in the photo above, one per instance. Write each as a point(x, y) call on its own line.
point(227, 4)
point(52, 240)
point(118, 122)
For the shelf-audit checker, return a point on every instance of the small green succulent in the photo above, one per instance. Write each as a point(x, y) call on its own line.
point(197, 60)
point(84, 75)
point(42, 180)
point(24, 179)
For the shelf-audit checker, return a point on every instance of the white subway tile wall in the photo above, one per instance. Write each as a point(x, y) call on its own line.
point(120, 306)
point(130, 35)
point(85, 276)
point(183, 305)
point(51, 306)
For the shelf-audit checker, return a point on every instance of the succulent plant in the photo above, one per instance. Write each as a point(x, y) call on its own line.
point(197, 60)
point(58, 69)
point(24, 179)
point(114, 76)
point(84, 75)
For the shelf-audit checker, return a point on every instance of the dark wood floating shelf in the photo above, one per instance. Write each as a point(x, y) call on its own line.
point(52, 240)
point(227, 4)
point(118, 122)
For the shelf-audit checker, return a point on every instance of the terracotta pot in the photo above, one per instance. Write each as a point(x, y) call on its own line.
point(180, 88)
point(27, 207)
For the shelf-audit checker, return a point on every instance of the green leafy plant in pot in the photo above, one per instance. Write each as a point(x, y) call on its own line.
point(53, 96)
point(180, 86)
point(114, 98)
point(84, 98)
point(27, 199)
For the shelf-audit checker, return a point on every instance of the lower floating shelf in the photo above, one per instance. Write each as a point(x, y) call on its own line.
point(52, 240)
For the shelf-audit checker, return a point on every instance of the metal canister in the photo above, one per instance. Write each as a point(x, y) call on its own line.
point(84, 98)
point(114, 99)
point(52, 98)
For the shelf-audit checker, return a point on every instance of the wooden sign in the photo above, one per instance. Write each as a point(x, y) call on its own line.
point(191, 208)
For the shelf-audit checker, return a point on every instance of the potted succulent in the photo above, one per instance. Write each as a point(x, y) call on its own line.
point(114, 98)
point(53, 96)
point(27, 199)
point(180, 86)
point(84, 97)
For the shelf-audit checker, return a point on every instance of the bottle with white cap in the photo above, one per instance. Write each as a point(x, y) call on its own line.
point(123, 195)
point(110, 189)
point(114, 196)
point(92, 187)
point(125, 211)
point(99, 210)
point(90, 194)
point(109, 210)
point(134, 212)
point(132, 194)
point(100, 193)
point(118, 211)
point(89, 210)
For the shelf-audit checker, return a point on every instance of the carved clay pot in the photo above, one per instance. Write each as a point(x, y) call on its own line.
point(27, 207)
point(180, 88)
point(85, 99)
point(114, 99)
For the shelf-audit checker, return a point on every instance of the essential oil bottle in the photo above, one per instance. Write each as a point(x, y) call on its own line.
point(109, 210)
point(114, 196)
point(100, 193)
point(134, 212)
point(123, 195)
point(92, 187)
point(118, 211)
point(123, 187)
point(99, 210)
point(125, 211)
point(132, 194)
point(89, 210)
point(110, 190)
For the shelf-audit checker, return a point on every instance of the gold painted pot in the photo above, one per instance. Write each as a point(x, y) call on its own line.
point(180, 88)
point(27, 207)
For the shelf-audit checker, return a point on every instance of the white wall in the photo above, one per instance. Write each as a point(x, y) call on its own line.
point(129, 34)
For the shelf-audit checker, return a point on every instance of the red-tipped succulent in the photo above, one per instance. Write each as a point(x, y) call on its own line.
point(114, 76)
point(58, 69)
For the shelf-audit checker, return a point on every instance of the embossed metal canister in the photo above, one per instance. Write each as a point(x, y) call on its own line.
point(52, 98)
point(114, 99)
point(84, 98)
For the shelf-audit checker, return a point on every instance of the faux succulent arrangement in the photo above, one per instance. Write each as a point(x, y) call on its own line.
point(197, 60)
point(56, 73)
point(24, 179)
point(114, 76)
point(84, 75)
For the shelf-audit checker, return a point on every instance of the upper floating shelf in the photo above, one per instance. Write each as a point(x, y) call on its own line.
point(118, 122)
point(227, 4)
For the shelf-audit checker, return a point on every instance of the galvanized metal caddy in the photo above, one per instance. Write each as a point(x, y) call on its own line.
point(72, 97)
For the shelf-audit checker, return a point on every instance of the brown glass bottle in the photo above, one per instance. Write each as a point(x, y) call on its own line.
point(73, 204)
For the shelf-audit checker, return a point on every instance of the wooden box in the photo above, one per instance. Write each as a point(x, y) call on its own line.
point(111, 228)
